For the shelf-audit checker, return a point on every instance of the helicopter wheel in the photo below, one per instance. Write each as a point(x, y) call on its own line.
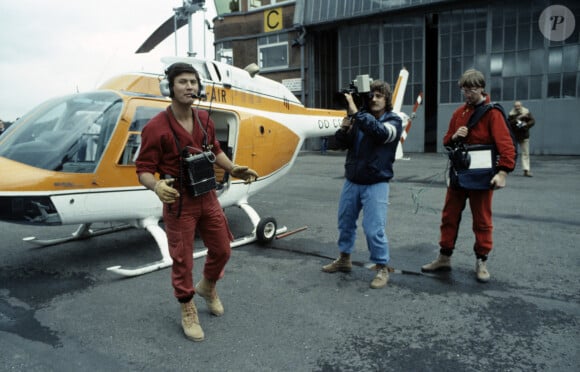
point(266, 230)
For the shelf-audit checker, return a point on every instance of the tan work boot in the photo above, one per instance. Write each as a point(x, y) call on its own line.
point(441, 263)
point(206, 289)
point(481, 271)
point(342, 263)
point(381, 278)
point(190, 322)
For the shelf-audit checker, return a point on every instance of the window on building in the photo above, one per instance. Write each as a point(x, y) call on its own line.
point(255, 4)
point(224, 52)
point(359, 47)
point(381, 51)
point(234, 6)
point(227, 6)
point(563, 71)
point(402, 41)
point(462, 46)
point(273, 52)
point(519, 62)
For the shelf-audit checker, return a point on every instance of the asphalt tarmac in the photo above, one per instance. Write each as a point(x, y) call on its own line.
point(60, 310)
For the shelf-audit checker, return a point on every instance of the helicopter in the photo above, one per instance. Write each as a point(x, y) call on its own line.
point(72, 158)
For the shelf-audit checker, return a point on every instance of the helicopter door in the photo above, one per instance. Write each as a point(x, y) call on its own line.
point(226, 128)
point(141, 115)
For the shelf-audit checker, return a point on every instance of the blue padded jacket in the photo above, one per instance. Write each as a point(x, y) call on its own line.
point(371, 144)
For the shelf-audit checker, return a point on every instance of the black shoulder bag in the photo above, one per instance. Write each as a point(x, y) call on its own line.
point(472, 166)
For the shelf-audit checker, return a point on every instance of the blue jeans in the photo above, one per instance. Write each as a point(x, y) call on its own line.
point(372, 199)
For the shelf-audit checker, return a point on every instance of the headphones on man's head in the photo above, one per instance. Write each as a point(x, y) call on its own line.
point(166, 84)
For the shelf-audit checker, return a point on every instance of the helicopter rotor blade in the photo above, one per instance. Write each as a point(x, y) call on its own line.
point(162, 33)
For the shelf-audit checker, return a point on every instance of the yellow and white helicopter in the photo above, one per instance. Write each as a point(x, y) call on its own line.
point(71, 159)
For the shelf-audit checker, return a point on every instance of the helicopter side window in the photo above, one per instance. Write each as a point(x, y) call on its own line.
point(201, 68)
point(131, 149)
point(140, 119)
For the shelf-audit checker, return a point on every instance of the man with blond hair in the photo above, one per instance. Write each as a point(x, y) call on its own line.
point(490, 129)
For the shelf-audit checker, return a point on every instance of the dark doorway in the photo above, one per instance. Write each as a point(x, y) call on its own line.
point(431, 81)
point(325, 67)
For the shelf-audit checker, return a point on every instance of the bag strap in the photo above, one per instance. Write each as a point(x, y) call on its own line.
point(196, 118)
point(473, 120)
point(477, 114)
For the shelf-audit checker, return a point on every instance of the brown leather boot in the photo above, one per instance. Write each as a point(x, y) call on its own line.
point(206, 289)
point(190, 322)
point(342, 263)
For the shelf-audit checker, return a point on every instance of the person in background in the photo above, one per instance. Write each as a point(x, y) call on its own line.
point(371, 138)
point(323, 145)
point(2, 128)
point(521, 120)
point(490, 129)
point(181, 127)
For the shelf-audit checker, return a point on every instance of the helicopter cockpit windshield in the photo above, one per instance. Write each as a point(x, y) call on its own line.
point(67, 134)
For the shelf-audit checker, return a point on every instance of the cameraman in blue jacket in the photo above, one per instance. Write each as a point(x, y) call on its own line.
point(371, 137)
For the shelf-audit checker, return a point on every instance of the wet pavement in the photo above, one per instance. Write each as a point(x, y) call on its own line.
point(60, 310)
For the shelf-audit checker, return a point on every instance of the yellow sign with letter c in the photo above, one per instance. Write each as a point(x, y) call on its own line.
point(273, 20)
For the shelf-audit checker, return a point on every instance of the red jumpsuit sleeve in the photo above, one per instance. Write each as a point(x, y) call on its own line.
point(150, 152)
point(454, 124)
point(450, 131)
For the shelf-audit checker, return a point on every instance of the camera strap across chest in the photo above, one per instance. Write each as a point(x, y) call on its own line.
point(477, 115)
point(183, 151)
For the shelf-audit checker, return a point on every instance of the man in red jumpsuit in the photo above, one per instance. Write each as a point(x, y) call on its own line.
point(490, 129)
point(184, 213)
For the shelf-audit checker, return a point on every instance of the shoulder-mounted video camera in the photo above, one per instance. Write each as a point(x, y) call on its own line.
point(359, 89)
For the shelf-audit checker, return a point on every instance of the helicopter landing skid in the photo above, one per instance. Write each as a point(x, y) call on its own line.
point(84, 231)
point(265, 230)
